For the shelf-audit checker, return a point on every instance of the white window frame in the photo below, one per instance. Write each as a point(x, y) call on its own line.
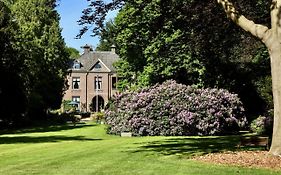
point(98, 83)
point(76, 99)
point(74, 81)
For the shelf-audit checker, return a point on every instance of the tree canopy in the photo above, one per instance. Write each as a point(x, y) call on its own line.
point(261, 18)
point(270, 36)
point(72, 52)
point(107, 38)
point(36, 61)
point(12, 91)
point(191, 42)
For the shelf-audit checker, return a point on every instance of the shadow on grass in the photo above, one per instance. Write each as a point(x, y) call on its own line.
point(192, 146)
point(42, 139)
point(53, 128)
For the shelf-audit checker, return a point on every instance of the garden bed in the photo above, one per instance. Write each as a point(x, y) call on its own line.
point(255, 159)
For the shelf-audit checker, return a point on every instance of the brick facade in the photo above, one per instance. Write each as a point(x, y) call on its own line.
point(91, 76)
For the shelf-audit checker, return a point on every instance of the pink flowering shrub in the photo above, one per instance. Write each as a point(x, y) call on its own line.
point(175, 109)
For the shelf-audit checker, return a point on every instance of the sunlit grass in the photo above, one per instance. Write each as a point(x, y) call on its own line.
point(87, 149)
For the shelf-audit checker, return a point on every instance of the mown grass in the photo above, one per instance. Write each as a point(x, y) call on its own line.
point(87, 149)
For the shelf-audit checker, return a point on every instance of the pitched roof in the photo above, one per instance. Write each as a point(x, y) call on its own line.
point(88, 59)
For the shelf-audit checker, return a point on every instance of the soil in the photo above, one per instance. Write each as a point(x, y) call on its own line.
point(254, 159)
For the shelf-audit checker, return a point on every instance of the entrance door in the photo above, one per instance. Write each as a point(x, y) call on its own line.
point(97, 104)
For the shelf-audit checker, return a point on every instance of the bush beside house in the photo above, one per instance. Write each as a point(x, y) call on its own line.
point(175, 109)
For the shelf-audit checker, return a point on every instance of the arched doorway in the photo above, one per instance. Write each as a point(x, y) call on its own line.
point(97, 104)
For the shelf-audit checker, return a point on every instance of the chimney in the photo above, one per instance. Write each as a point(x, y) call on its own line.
point(87, 48)
point(113, 48)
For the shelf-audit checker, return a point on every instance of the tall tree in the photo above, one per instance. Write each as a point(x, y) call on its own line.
point(155, 46)
point(12, 90)
point(205, 38)
point(271, 37)
point(41, 45)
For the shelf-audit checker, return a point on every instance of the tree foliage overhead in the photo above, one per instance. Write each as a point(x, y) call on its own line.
point(95, 15)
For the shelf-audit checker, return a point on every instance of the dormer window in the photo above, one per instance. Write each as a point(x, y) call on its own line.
point(97, 66)
point(76, 65)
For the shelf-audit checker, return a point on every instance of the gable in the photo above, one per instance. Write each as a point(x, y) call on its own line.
point(99, 66)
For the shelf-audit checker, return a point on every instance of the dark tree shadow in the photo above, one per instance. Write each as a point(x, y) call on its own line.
point(47, 128)
point(192, 146)
point(43, 139)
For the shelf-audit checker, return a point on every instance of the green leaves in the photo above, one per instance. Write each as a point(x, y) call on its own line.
point(41, 48)
point(191, 42)
point(72, 52)
point(107, 37)
point(153, 43)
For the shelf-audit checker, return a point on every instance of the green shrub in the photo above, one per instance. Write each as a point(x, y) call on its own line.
point(98, 117)
point(66, 105)
point(262, 125)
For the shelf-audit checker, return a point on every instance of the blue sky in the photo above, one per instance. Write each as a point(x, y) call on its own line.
point(70, 11)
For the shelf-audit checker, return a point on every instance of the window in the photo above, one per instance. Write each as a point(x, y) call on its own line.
point(76, 65)
point(97, 66)
point(114, 81)
point(75, 82)
point(77, 100)
point(98, 83)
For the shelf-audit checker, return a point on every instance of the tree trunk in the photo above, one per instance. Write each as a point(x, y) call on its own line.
point(275, 57)
point(272, 39)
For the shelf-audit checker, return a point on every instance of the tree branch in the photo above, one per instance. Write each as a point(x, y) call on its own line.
point(95, 14)
point(260, 31)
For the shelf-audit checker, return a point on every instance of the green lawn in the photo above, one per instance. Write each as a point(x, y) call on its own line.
point(86, 149)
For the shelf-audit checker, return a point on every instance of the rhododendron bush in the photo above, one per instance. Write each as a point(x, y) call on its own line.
point(175, 109)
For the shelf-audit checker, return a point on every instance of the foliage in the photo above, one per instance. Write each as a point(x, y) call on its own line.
point(126, 75)
point(262, 78)
point(66, 105)
point(107, 37)
point(41, 46)
point(175, 109)
point(12, 89)
point(262, 125)
point(207, 50)
point(155, 45)
point(95, 15)
point(98, 117)
point(33, 60)
point(72, 52)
